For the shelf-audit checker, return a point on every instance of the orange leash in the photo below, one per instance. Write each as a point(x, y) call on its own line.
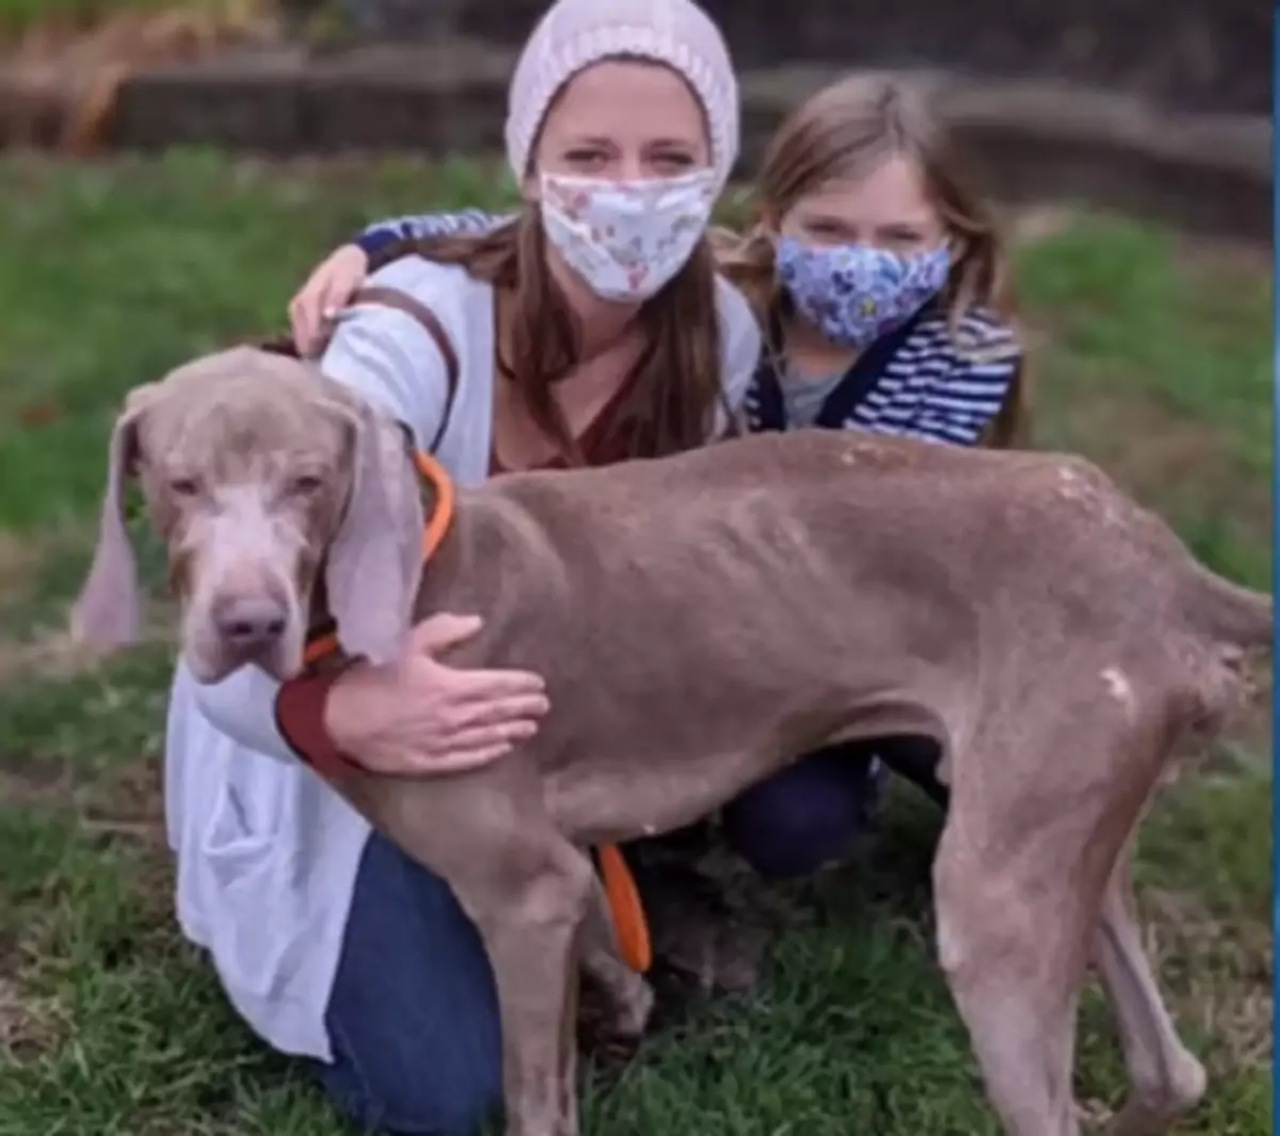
point(619, 884)
point(628, 911)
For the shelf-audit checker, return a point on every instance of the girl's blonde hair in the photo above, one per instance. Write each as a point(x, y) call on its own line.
point(675, 386)
point(843, 133)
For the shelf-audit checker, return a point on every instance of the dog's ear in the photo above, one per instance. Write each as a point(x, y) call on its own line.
point(375, 562)
point(108, 611)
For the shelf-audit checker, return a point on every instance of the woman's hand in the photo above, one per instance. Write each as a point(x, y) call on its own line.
point(326, 292)
point(418, 716)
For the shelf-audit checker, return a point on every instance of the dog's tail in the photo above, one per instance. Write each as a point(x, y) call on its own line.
point(1229, 625)
point(1232, 615)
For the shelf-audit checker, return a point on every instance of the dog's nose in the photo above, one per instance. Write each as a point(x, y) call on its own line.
point(250, 624)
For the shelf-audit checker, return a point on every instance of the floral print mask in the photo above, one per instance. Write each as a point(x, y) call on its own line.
point(856, 293)
point(626, 239)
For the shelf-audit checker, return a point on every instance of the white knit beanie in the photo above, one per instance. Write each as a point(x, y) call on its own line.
point(576, 33)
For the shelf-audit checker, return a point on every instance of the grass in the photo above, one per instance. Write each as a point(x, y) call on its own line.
point(1155, 359)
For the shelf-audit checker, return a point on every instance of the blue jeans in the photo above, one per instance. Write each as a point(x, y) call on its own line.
point(413, 1015)
point(808, 814)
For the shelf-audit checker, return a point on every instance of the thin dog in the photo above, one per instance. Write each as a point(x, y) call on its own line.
point(700, 620)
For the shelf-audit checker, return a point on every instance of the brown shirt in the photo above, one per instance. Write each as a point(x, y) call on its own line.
point(299, 706)
point(601, 443)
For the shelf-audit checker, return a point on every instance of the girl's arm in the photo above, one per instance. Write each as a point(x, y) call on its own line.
point(964, 402)
point(417, 225)
point(331, 283)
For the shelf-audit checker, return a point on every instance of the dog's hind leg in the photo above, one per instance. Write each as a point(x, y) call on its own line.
point(1165, 1079)
point(1011, 951)
point(628, 995)
point(1026, 853)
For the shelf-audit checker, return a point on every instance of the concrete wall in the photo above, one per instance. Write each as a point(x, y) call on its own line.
point(1197, 55)
point(1166, 112)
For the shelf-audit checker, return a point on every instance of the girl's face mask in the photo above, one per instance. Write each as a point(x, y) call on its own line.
point(626, 239)
point(854, 294)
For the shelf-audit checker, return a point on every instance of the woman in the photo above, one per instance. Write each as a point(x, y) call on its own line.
point(590, 328)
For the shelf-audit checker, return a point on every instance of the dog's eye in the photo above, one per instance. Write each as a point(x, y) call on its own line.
point(305, 484)
point(184, 486)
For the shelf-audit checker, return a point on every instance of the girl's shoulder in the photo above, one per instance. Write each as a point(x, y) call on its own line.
point(978, 334)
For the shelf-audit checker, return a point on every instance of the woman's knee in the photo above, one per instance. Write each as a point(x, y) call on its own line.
point(413, 1015)
point(806, 816)
point(391, 1100)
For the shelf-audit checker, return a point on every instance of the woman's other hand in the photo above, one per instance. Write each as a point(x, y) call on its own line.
point(419, 716)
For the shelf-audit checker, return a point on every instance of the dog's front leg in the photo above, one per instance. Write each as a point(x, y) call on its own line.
point(532, 935)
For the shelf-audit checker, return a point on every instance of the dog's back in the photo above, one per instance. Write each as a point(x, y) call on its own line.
point(766, 594)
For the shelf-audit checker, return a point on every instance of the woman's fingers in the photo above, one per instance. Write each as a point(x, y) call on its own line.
point(466, 749)
point(497, 711)
point(437, 633)
point(485, 737)
point(492, 686)
point(460, 761)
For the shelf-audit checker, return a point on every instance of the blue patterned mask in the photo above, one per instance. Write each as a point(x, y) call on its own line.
point(854, 294)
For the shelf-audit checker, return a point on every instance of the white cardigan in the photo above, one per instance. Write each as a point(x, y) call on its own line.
point(266, 852)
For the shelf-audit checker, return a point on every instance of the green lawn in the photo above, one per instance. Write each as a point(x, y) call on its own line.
point(1155, 359)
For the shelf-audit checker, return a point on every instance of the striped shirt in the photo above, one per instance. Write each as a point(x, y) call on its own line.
point(380, 234)
point(915, 382)
point(921, 381)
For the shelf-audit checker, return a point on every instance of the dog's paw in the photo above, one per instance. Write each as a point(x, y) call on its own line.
point(612, 1024)
point(633, 1009)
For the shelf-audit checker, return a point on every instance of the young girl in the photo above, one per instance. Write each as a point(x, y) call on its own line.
point(882, 288)
point(590, 327)
point(880, 282)
point(878, 277)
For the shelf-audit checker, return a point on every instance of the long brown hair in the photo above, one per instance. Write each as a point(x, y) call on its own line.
point(842, 133)
point(675, 386)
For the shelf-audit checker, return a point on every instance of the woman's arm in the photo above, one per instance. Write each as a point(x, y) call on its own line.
point(414, 226)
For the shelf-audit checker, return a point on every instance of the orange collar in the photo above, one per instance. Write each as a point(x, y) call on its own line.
point(436, 476)
point(324, 641)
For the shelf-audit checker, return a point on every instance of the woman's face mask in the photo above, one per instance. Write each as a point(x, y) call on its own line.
point(626, 239)
point(856, 293)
